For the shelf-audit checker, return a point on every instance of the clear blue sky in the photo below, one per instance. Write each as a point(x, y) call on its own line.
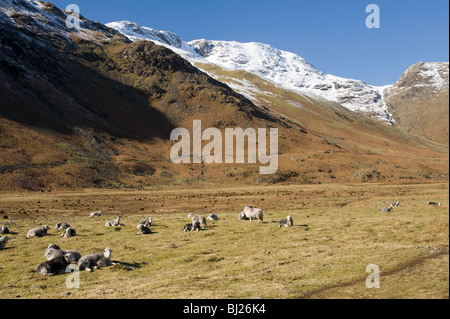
point(330, 34)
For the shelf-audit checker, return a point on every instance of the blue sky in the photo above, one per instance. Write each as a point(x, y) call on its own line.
point(332, 35)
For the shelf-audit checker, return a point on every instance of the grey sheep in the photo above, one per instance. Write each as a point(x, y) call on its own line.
point(198, 218)
point(288, 222)
point(62, 226)
point(396, 204)
point(213, 217)
point(191, 227)
point(56, 266)
point(95, 261)
point(387, 209)
point(53, 251)
point(434, 204)
point(38, 232)
point(69, 232)
point(96, 214)
point(3, 241)
point(144, 230)
point(4, 230)
point(146, 222)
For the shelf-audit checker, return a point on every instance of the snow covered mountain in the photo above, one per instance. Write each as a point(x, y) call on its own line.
point(285, 69)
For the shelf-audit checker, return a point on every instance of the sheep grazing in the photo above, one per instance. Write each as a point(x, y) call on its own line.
point(56, 266)
point(253, 213)
point(387, 209)
point(288, 222)
point(4, 230)
point(62, 226)
point(144, 230)
point(146, 222)
point(53, 251)
point(95, 261)
point(212, 217)
point(69, 232)
point(3, 241)
point(191, 227)
point(113, 223)
point(38, 232)
point(96, 214)
point(435, 204)
point(198, 218)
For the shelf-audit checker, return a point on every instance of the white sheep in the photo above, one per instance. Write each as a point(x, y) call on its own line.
point(254, 213)
point(113, 223)
point(38, 232)
point(288, 222)
point(198, 218)
point(396, 204)
point(96, 214)
point(191, 227)
point(387, 209)
point(146, 222)
point(3, 241)
point(95, 261)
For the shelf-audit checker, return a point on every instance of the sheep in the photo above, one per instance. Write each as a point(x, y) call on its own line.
point(288, 222)
point(396, 204)
point(38, 232)
point(198, 218)
point(95, 261)
point(212, 217)
point(144, 230)
point(96, 214)
point(69, 232)
point(53, 251)
point(146, 222)
point(56, 266)
point(191, 227)
point(62, 226)
point(4, 230)
point(435, 204)
point(3, 241)
point(387, 209)
point(254, 213)
point(113, 223)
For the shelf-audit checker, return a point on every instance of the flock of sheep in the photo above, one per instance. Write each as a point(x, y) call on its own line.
point(58, 260)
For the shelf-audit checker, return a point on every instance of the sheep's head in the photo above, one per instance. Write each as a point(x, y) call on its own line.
point(107, 253)
point(70, 258)
point(4, 239)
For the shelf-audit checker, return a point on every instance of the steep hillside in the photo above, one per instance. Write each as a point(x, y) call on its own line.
point(90, 108)
point(419, 101)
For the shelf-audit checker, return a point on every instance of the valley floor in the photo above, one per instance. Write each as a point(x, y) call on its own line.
point(338, 231)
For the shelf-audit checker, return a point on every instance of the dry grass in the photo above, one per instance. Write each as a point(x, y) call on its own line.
point(338, 231)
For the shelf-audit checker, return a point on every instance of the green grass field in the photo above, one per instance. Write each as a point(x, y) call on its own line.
point(339, 230)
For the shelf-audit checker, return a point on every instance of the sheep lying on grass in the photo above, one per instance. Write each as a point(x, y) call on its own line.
point(4, 230)
point(54, 251)
point(288, 222)
point(435, 204)
point(38, 232)
point(387, 209)
point(95, 261)
point(96, 214)
point(69, 232)
point(62, 226)
point(113, 223)
point(146, 222)
point(143, 230)
point(212, 217)
point(3, 241)
point(56, 266)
